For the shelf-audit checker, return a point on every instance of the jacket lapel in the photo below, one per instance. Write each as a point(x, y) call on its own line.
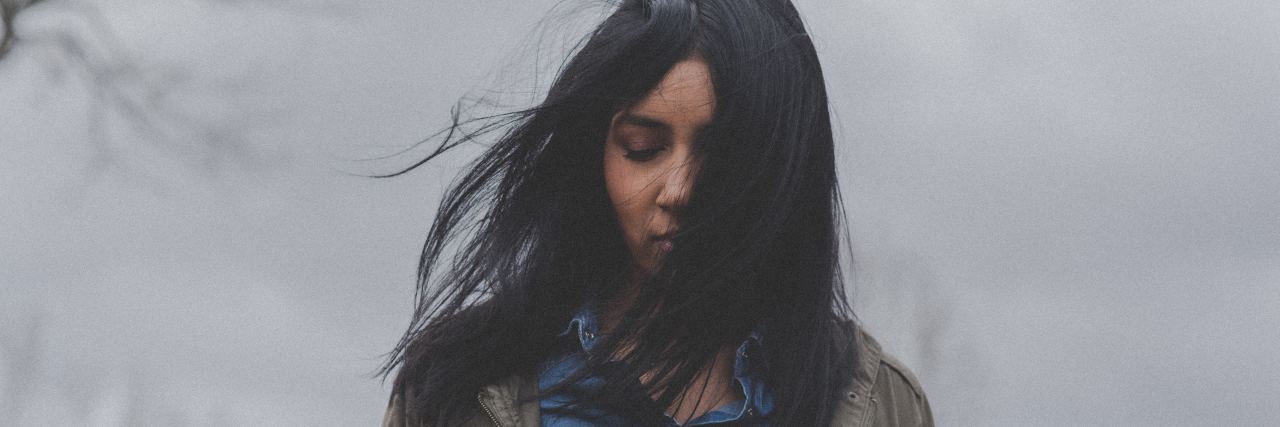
point(856, 405)
point(508, 403)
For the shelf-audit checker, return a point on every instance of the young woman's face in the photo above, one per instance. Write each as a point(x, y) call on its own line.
point(649, 164)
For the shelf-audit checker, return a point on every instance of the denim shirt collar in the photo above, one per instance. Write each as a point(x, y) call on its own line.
point(758, 402)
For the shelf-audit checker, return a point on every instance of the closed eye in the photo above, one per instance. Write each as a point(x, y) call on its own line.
point(641, 155)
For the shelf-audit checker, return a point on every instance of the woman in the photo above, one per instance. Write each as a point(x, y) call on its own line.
point(656, 243)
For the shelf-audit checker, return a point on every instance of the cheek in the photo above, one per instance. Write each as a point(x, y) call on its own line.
point(625, 185)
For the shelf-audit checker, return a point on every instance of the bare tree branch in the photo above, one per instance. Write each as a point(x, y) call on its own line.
point(9, 10)
point(127, 95)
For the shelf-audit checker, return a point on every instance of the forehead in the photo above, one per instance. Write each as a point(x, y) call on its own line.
point(684, 99)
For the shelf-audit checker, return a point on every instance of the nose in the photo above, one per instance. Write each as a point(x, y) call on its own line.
point(677, 184)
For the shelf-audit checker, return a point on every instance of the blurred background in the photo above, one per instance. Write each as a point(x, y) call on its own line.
point(1063, 212)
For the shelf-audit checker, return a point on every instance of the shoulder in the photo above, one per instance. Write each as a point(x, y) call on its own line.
point(883, 392)
point(509, 402)
point(397, 416)
point(893, 372)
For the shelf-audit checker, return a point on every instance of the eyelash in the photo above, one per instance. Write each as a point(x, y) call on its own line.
point(641, 155)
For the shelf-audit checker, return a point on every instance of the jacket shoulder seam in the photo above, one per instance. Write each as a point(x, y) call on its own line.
point(903, 373)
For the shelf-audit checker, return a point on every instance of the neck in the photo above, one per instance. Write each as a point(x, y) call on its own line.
point(611, 311)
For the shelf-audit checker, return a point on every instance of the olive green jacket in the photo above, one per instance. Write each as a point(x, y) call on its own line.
point(882, 393)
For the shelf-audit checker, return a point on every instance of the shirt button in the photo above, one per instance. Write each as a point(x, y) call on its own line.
point(751, 411)
point(590, 335)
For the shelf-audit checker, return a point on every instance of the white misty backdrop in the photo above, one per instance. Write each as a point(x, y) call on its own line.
point(1063, 212)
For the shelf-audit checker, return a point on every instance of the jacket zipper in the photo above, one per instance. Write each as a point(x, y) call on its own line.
point(485, 407)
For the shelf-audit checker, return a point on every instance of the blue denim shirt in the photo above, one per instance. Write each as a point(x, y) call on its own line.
point(753, 410)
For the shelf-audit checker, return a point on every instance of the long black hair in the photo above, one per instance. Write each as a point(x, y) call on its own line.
point(531, 231)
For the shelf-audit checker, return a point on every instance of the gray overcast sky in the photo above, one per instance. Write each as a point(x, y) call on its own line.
point(1064, 212)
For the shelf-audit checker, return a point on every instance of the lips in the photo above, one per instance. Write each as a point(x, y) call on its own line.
point(664, 241)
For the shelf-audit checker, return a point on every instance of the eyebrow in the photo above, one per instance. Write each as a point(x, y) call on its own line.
point(643, 121)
